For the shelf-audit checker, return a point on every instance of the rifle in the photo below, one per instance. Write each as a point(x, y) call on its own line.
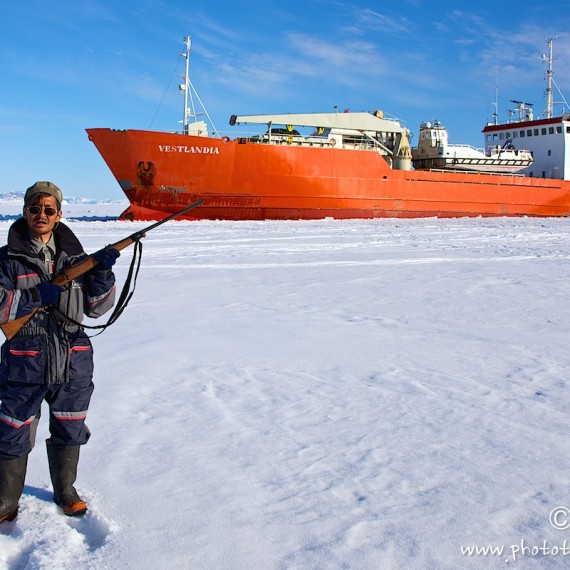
point(68, 274)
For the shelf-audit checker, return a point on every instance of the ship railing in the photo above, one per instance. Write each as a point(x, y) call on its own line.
point(367, 145)
point(468, 146)
point(365, 142)
point(292, 140)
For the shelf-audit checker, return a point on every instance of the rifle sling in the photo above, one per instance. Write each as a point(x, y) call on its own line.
point(124, 297)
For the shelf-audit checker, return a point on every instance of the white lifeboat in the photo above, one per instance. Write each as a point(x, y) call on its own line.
point(434, 152)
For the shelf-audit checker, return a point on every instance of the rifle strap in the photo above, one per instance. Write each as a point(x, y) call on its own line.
point(124, 297)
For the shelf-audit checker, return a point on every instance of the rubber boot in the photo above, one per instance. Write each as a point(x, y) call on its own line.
point(63, 472)
point(12, 476)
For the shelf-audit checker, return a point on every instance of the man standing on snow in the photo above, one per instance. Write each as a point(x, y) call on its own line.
point(51, 357)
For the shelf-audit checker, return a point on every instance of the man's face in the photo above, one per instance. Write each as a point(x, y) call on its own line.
point(42, 222)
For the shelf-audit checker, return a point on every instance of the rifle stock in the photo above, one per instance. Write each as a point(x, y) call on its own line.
point(68, 274)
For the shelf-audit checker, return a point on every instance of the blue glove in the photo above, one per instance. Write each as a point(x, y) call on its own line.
point(106, 257)
point(48, 293)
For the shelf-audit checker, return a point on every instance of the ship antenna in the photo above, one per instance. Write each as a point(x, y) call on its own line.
point(189, 92)
point(496, 101)
point(549, 79)
point(184, 88)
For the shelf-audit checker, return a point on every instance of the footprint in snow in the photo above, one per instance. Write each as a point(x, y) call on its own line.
point(42, 537)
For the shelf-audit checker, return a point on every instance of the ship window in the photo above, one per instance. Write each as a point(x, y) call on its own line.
point(535, 132)
point(544, 173)
point(515, 135)
point(502, 136)
point(550, 130)
point(568, 129)
point(529, 132)
point(543, 131)
point(488, 136)
point(559, 129)
point(522, 134)
point(507, 135)
point(549, 152)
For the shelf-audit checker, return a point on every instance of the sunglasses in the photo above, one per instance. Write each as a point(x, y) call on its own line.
point(35, 210)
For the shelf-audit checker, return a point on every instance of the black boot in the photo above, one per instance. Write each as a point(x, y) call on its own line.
point(12, 476)
point(63, 472)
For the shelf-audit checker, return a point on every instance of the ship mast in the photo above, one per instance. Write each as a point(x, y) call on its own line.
point(187, 89)
point(496, 102)
point(549, 76)
point(184, 88)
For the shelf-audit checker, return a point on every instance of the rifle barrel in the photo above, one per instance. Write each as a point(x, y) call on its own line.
point(171, 217)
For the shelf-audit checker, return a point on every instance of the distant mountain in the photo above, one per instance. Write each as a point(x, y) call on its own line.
point(12, 197)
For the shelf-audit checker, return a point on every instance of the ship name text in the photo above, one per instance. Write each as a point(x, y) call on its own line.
point(189, 149)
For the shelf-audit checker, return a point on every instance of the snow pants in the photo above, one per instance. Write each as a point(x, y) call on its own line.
point(20, 410)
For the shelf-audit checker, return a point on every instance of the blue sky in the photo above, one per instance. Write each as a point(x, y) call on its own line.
point(66, 66)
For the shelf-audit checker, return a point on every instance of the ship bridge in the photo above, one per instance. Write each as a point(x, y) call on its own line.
point(547, 139)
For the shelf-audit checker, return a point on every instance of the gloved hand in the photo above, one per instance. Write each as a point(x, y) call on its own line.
point(48, 293)
point(106, 257)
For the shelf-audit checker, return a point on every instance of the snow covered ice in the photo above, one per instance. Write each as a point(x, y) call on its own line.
point(321, 395)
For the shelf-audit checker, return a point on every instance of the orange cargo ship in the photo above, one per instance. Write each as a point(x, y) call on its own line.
point(350, 165)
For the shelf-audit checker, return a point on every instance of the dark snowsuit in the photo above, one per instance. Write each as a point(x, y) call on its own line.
point(49, 359)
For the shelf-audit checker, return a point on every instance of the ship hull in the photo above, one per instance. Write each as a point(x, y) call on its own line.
point(160, 173)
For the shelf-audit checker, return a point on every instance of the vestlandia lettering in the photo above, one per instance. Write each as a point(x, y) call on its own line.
point(189, 149)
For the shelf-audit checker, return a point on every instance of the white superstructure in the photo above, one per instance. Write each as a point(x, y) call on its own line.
point(548, 138)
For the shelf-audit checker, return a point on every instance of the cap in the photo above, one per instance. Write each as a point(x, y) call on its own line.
point(43, 188)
